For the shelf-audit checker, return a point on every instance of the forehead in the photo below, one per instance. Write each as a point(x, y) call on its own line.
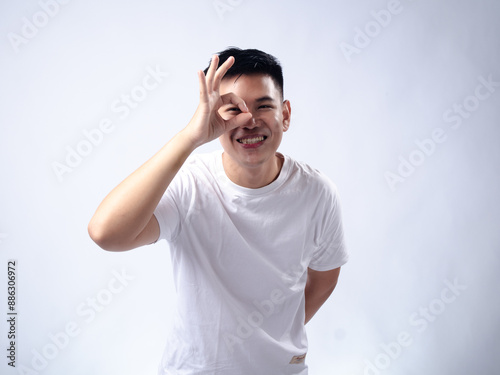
point(248, 86)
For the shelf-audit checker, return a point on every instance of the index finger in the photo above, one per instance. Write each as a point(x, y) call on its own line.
point(221, 71)
point(231, 100)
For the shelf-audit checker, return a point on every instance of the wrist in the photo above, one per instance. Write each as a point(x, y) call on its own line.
point(189, 140)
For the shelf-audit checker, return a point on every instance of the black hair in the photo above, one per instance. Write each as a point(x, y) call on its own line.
point(252, 61)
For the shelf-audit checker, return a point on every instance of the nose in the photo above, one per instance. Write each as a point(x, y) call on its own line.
point(250, 124)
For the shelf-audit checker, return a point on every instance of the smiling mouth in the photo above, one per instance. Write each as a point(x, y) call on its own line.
point(251, 140)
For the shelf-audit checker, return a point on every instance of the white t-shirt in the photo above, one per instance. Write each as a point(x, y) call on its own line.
point(240, 259)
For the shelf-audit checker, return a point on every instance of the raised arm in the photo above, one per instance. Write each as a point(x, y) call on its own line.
point(124, 220)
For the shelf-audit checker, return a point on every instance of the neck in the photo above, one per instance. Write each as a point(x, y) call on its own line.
point(253, 177)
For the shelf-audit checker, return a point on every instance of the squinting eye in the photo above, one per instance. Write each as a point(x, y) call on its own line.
point(235, 109)
point(265, 106)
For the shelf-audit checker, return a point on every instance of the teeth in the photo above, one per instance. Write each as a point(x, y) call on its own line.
point(248, 141)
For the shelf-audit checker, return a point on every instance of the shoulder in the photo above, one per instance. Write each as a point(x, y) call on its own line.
point(310, 178)
point(201, 159)
point(199, 171)
point(201, 163)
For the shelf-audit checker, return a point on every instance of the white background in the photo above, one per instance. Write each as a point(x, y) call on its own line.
point(355, 115)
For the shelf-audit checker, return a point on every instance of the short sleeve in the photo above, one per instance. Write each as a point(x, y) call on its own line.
point(330, 252)
point(167, 215)
point(171, 208)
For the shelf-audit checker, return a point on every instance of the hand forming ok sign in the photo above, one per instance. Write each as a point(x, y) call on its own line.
point(207, 124)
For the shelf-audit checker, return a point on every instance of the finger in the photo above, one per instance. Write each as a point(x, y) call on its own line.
point(232, 99)
point(221, 72)
point(203, 85)
point(211, 72)
point(235, 111)
point(238, 121)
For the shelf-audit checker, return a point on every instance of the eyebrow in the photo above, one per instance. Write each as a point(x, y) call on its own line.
point(264, 99)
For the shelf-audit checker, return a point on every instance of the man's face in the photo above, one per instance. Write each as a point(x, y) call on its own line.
point(254, 144)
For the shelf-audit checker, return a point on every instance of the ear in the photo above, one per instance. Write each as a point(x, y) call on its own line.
point(287, 114)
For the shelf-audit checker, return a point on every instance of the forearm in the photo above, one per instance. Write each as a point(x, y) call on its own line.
point(319, 286)
point(128, 208)
point(314, 301)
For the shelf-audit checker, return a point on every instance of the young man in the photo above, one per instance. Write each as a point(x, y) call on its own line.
point(256, 238)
